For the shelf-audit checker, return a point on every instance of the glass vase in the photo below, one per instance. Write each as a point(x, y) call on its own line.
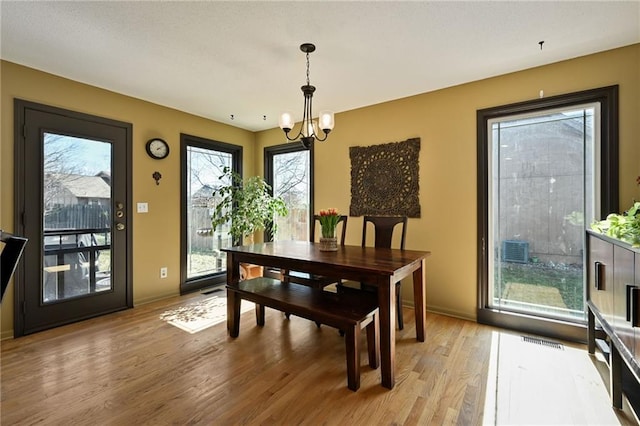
point(328, 244)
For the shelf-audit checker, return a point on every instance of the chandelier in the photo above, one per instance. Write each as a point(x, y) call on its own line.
point(308, 130)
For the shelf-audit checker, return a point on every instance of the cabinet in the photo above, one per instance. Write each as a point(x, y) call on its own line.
point(613, 301)
point(600, 276)
point(636, 313)
point(623, 284)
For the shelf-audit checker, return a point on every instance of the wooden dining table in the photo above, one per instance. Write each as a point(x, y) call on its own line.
point(377, 267)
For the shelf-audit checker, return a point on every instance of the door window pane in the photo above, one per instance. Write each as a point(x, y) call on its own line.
point(291, 181)
point(77, 217)
point(542, 190)
point(204, 244)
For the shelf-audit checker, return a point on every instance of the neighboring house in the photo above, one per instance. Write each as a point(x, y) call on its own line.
point(203, 197)
point(74, 201)
point(72, 189)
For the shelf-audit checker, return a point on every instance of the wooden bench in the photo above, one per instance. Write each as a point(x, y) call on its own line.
point(347, 312)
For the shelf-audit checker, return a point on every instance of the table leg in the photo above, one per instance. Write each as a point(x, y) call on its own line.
point(591, 331)
point(387, 303)
point(419, 297)
point(233, 301)
point(233, 313)
point(615, 377)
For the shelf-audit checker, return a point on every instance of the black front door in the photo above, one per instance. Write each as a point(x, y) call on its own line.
point(73, 204)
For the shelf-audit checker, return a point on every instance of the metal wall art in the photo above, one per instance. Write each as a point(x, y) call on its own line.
point(385, 179)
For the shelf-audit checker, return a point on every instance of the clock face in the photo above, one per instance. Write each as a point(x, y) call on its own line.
point(157, 148)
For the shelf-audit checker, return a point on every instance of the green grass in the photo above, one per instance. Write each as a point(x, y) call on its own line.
point(566, 278)
point(200, 263)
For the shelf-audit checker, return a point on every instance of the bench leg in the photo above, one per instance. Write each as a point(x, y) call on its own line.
point(233, 313)
point(373, 342)
point(351, 340)
point(260, 314)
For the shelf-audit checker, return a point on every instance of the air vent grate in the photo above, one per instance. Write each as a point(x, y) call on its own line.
point(543, 342)
point(515, 251)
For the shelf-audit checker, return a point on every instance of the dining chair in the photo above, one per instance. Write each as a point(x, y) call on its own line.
point(383, 228)
point(313, 280)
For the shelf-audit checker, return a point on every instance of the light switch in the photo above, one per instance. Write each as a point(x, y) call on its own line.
point(143, 207)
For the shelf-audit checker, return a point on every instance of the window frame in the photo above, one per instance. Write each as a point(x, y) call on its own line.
point(607, 97)
point(188, 285)
point(269, 153)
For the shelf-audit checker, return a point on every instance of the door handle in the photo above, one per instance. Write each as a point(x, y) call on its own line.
point(630, 307)
point(634, 308)
point(599, 278)
point(120, 226)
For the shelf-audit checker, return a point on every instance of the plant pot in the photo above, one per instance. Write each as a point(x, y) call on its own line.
point(249, 270)
point(328, 244)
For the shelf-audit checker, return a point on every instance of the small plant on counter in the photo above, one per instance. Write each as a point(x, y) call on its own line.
point(624, 227)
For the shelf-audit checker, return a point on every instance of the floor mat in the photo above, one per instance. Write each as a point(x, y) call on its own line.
point(531, 293)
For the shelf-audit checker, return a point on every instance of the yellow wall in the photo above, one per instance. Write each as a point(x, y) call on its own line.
point(445, 121)
point(156, 235)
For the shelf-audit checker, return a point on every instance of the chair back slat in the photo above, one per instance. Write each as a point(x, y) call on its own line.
point(384, 227)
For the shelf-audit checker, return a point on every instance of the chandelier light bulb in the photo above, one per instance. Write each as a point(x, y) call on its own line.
point(310, 129)
point(286, 121)
point(326, 121)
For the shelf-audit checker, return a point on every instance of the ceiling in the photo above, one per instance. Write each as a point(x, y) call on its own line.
point(216, 59)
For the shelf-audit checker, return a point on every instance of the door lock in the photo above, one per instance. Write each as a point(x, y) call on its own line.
point(120, 226)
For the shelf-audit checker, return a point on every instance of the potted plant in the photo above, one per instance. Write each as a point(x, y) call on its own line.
point(328, 222)
point(624, 227)
point(248, 206)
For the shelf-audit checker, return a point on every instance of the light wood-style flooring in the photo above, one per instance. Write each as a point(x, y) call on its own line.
point(131, 368)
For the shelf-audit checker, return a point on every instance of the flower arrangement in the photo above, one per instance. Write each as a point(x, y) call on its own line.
point(328, 221)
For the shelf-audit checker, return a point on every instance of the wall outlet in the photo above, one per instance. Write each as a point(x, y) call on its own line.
point(163, 272)
point(143, 208)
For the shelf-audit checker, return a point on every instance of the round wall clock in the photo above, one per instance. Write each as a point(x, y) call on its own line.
point(157, 148)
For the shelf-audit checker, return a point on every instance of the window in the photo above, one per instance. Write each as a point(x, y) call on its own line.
point(289, 171)
point(547, 169)
point(203, 261)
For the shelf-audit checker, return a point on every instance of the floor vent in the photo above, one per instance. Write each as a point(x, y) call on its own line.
point(515, 251)
point(210, 290)
point(542, 342)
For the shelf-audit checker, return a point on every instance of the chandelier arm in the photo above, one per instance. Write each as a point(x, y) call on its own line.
point(309, 122)
point(326, 134)
point(305, 118)
point(308, 69)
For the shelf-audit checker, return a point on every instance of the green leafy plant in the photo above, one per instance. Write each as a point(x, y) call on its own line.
point(248, 205)
point(625, 226)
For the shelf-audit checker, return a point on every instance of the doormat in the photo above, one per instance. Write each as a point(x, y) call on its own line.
point(201, 315)
point(534, 294)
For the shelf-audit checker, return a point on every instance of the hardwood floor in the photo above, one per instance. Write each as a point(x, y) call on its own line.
point(132, 368)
